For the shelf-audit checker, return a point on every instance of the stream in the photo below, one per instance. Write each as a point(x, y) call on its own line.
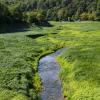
point(49, 73)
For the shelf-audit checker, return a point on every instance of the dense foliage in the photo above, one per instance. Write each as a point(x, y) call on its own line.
point(14, 12)
point(40, 10)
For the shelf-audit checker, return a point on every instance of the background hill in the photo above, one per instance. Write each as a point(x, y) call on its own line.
point(40, 10)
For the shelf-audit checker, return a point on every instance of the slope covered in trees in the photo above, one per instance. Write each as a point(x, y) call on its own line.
point(40, 10)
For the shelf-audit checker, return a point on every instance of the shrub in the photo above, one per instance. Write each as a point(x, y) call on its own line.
point(84, 16)
point(92, 16)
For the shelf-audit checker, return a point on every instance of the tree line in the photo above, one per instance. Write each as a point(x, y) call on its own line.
point(38, 11)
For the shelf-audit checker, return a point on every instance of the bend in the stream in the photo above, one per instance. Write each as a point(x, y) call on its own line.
point(49, 72)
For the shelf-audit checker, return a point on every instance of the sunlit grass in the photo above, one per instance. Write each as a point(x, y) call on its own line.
point(80, 66)
point(19, 55)
point(80, 63)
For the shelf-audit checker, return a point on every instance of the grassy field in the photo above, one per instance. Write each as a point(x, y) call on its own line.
point(80, 65)
point(80, 71)
point(19, 55)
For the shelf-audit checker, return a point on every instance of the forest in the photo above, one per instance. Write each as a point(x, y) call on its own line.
point(37, 11)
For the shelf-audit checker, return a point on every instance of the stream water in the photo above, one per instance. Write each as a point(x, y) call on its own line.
point(49, 73)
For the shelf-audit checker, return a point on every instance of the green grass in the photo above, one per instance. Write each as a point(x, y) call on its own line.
point(80, 63)
point(80, 66)
point(19, 55)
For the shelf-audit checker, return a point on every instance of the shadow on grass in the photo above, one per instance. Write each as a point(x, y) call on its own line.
point(15, 27)
point(44, 24)
point(21, 27)
point(35, 36)
point(54, 33)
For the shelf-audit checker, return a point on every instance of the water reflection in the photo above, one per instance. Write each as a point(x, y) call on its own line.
point(48, 71)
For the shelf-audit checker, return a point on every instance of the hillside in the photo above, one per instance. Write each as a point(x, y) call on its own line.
point(39, 10)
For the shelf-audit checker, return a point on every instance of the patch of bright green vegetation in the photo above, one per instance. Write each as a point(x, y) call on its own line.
point(80, 66)
point(80, 63)
point(19, 56)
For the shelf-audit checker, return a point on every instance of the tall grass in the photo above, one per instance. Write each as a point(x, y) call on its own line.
point(19, 55)
point(80, 65)
point(21, 51)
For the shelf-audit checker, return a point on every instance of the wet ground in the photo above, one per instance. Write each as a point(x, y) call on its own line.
point(49, 73)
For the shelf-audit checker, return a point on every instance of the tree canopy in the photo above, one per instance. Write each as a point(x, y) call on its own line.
point(40, 10)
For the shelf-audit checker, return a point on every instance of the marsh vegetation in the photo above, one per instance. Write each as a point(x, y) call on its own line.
point(80, 65)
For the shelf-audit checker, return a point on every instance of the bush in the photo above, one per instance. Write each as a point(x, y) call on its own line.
point(92, 16)
point(29, 17)
point(33, 17)
point(97, 16)
point(84, 16)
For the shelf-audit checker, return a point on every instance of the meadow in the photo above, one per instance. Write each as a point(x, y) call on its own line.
point(80, 65)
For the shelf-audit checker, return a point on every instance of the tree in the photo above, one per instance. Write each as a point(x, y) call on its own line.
point(4, 13)
point(98, 11)
point(77, 15)
point(62, 14)
point(30, 17)
point(35, 16)
point(84, 16)
point(40, 17)
point(92, 16)
point(40, 4)
point(15, 12)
